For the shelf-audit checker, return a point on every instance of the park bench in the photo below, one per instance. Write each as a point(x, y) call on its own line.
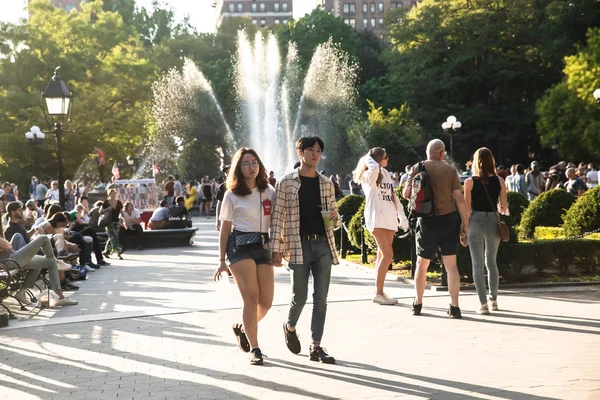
point(159, 238)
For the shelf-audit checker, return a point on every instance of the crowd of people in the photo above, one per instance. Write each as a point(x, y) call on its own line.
point(262, 220)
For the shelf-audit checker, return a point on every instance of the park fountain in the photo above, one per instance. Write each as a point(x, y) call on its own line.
point(275, 104)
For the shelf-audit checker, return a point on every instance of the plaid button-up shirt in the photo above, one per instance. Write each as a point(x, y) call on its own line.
point(285, 221)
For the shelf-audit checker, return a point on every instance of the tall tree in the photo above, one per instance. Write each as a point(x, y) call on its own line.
point(103, 63)
point(485, 62)
point(568, 114)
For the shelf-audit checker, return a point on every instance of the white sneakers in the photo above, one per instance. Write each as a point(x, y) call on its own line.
point(384, 300)
point(494, 305)
point(483, 310)
point(65, 301)
point(63, 266)
point(88, 268)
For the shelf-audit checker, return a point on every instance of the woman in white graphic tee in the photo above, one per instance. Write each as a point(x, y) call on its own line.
point(383, 213)
point(243, 238)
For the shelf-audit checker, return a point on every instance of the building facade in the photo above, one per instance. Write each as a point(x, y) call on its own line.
point(68, 5)
point(365, 14)
point(262, 12)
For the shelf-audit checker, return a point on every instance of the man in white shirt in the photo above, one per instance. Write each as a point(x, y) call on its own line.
point(592, 176)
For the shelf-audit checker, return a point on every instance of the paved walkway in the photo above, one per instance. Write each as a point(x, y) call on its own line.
point(155, 326)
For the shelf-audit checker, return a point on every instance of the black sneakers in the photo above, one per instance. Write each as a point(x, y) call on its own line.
point(319, 354)
point(242, 340)
point(256, 356)
point(291, 339)
point(454, 312)
point(416, 308)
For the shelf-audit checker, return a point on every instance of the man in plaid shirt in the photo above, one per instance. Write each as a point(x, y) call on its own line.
point(305, 200)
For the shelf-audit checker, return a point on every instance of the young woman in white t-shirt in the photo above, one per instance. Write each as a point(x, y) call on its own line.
point(246, 208)
point(383, 213)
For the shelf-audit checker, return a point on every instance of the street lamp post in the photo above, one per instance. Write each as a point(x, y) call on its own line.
point(56, 103)
point(597, 96)
point(450, 127)
point(34, 136)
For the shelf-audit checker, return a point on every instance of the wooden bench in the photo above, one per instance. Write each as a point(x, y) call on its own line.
point(159, 238)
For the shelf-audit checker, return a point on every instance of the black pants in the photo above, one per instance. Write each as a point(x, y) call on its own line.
point(91, 232)
point(136, 231)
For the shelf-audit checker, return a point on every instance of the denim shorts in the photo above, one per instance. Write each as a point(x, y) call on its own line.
point(258, 253)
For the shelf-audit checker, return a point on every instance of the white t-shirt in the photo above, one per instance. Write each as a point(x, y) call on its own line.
point(135, 214)
point(246, 211)
point(592, 179)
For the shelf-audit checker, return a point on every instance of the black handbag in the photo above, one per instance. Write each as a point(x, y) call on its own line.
point(250, 239)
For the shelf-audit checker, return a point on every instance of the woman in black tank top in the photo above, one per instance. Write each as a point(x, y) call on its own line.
point(485, 195)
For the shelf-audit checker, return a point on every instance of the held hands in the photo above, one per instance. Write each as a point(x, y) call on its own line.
point(276, 259)
point(464, 241)
point(222, 268)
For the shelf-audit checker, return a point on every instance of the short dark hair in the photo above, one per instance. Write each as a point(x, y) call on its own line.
point(164, 203)
point(309, 141)
point(13, 206)
point(83, 198)
point(178, 199)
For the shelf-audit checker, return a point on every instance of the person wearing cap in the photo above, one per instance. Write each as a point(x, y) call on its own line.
point(12, 224)
point(24, 252)
point(535, 181)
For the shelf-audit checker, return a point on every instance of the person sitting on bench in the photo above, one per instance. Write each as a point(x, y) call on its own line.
point(179, 216)
point(160, 217)
point(130, 224)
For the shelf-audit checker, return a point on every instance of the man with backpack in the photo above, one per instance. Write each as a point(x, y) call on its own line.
point(432, 189)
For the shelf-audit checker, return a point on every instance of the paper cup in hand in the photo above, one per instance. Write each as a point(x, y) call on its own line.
point(326, 221)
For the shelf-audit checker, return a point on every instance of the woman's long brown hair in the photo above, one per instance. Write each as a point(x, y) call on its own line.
point(484, 164)
point(235, 179)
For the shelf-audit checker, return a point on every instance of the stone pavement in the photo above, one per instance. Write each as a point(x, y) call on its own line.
point(155, 326)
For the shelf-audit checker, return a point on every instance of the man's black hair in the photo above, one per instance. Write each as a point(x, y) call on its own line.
point(164, 203)
point(309, 141)
point(179, 199)
point(177, 176)
point(84, 198)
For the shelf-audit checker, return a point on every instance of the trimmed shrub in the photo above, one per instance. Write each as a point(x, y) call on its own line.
point(584, 215)
point(548, 232)
point(347, 208)
point(355, 228)
point(545, 210)
point(517, 203)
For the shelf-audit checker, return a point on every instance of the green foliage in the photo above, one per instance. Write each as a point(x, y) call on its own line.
point(348, 207)
point(355, 228)
point(545, 210)
point(485, 62)
point(548, 232)
point(584, 215)
point(517, 203)
point(396, 131)
point(568, 114)
point(106, 68)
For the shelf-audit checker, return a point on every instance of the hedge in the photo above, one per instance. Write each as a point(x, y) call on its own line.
point(517, 204)
point(545, 210)
point(584, 215)
point(347, 208)
point(516, 260)
point(548, 232)
point(401, 246)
